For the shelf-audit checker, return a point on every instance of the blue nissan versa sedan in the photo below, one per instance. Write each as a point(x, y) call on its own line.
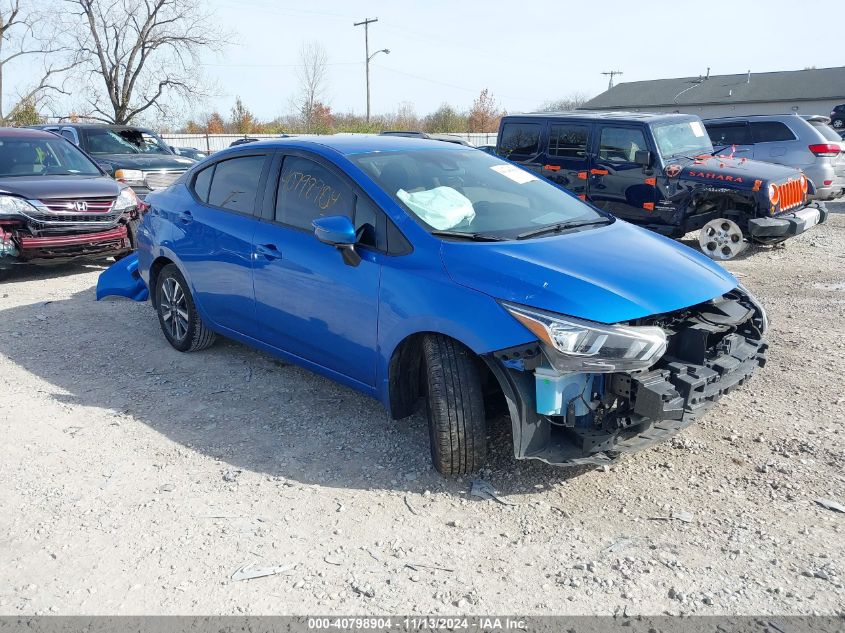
point(417, 270)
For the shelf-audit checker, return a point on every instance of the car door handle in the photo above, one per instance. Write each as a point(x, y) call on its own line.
point(185, 217)
point(268, 250)
point(599, 172)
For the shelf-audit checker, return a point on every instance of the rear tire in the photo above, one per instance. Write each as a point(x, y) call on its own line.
point(455, 406)
point(177, 314)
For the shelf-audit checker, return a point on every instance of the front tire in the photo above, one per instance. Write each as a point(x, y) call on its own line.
point(455, 406)
point(838, 123)
point(177, 314)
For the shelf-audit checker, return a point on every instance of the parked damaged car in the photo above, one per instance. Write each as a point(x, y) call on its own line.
point(57, 205)
point(661, 171)
point(132, 155)
point(417, 271)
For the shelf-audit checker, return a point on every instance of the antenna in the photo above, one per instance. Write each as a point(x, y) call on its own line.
point(612, 74)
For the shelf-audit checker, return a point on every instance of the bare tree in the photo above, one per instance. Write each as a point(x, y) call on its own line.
point(313, 78)
point(573, 101)
point(26, 33)
point(145, 51)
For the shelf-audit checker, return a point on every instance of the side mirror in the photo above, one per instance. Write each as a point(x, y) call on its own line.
point(643, 157)
point(338, 231)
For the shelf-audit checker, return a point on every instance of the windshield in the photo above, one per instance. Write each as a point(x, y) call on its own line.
point(688, 138)
point(43, 157)
point(128, 141)
point(471, 192)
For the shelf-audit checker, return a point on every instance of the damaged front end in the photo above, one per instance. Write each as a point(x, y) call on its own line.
point(613, 405)
point(51, 230)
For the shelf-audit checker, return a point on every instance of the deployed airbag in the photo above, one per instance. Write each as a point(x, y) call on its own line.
point(442, 207)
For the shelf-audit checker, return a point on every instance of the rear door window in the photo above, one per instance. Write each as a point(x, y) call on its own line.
point(770, 132)
point(568, 141)
point(520, 139)
point(728, 134)
point(234, 183)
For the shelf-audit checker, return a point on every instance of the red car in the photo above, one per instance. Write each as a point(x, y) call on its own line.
point(57, 205)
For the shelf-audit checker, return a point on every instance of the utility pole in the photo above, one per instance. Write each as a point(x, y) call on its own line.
point(367, 57)
point(612, 74)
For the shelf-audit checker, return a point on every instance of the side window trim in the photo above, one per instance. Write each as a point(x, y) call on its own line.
point(272, 191)
point(256, 207)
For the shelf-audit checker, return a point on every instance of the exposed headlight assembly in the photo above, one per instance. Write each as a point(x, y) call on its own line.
point(129, 176)
point(573, 345)
point(12, 207)
point(126, 200)
point(763, 316)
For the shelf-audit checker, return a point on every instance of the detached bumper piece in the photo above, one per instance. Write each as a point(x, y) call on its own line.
point(122, 279)
point(713, 348)
point(788, 224)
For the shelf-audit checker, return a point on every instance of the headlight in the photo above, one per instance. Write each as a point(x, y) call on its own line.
point(129, 176)
point(12, 206)
point(126, 200)
point(583, 346)
point(774, 193)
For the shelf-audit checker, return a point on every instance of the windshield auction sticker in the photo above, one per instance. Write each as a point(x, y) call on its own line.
point(519, 176)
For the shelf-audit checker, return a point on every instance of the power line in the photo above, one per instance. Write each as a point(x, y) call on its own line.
point(448, 85)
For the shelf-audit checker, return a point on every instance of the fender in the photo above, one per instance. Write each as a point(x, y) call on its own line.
point(436, 304)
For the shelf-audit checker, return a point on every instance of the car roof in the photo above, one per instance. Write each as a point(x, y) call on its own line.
point(348, 144)
point(744, 117)
point(23, 132)
point(90, 126)
point(600, 115)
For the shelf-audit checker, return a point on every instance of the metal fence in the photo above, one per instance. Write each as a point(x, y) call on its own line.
point(214, 142)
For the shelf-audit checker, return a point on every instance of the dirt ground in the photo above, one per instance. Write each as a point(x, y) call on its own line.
point(137, 480)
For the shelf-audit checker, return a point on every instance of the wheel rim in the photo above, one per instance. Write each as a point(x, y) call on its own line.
point(837, 123)
point(721, 239)
point(173, 307)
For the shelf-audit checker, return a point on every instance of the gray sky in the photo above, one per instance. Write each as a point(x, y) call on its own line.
point(524, 52)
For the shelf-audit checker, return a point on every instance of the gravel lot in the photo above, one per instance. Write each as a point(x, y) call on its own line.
point(136, 479)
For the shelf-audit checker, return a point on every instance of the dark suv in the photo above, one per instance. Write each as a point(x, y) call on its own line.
point(660, 171)
point(132, 155)
point(837, 116)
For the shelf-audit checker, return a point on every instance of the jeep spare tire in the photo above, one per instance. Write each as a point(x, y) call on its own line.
point(721, 239)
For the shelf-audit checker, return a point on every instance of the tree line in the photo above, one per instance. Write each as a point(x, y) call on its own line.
point(125, 61)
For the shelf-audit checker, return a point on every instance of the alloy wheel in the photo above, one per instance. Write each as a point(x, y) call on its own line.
point(721, 239)
point(173, 306)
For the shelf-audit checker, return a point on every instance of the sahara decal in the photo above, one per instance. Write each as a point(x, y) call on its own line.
point(711, 176)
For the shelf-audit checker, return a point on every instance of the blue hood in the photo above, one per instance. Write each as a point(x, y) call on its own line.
point(608, 274)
